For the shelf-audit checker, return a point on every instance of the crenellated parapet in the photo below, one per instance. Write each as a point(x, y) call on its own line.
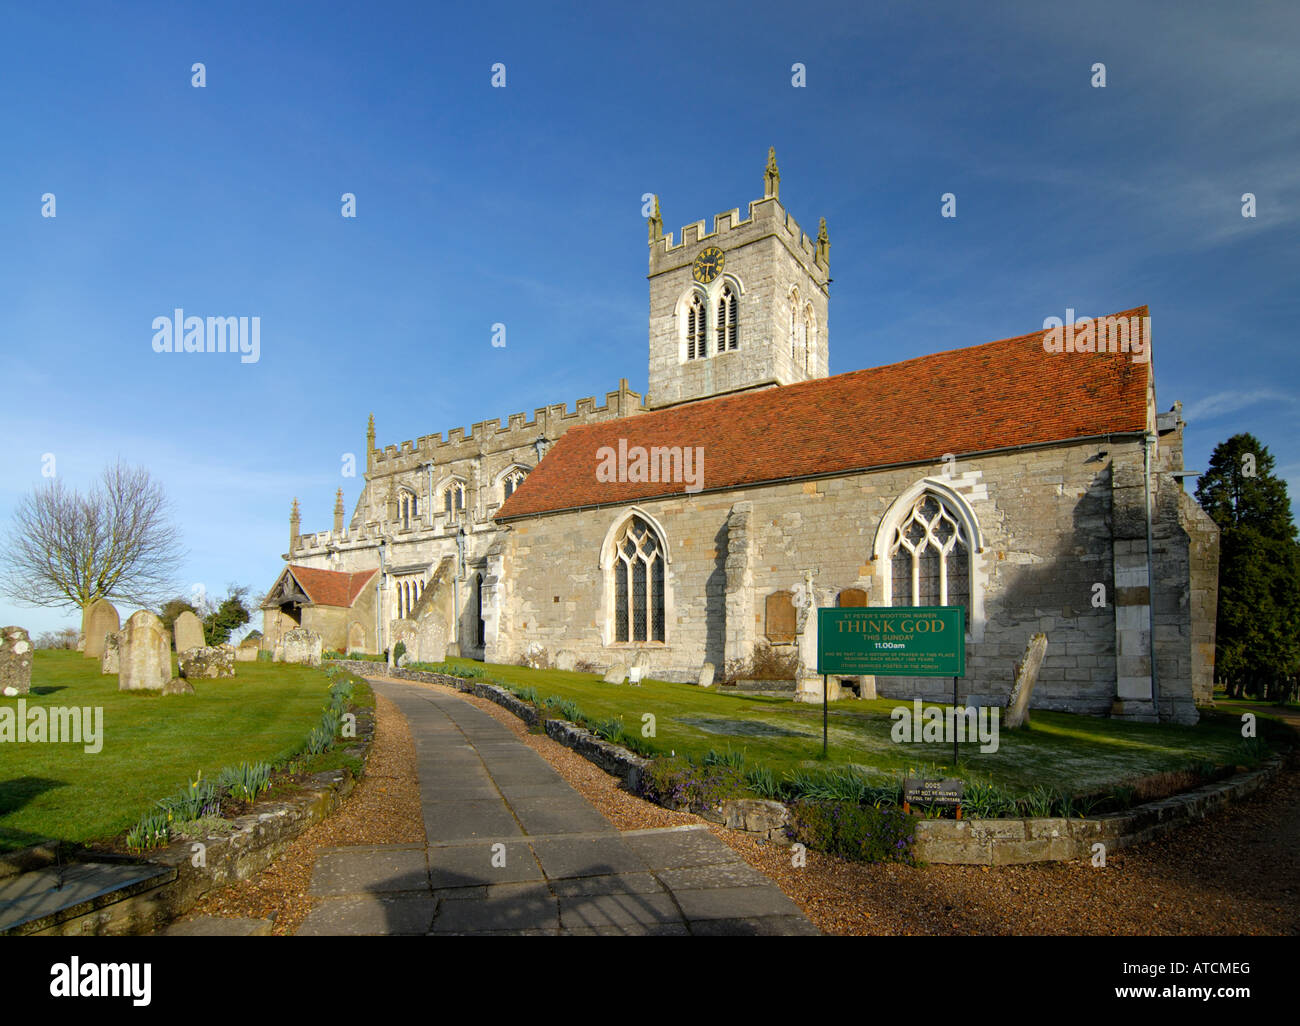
point(489, 436)
point(767, 218)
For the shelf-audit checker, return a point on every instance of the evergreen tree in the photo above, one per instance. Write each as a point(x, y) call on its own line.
point(1257, 649)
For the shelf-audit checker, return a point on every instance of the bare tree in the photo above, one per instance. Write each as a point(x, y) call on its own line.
point(116, 541)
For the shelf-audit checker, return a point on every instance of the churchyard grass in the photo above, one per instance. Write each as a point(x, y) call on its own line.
point(152, 745)
point(1062, 751)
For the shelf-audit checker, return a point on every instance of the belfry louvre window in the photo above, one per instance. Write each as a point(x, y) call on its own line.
point(695, 337)
point(512, 481)
point(728, 323)
point(639, 583)
point(930, 557)
point(453, 499)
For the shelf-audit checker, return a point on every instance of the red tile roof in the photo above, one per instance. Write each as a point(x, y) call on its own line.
point(331, 587)
point(964, 401)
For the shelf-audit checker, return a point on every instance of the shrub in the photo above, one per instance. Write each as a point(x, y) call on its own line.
point(676, 783)
point(200, 798)
point(856, 832)
point(984, 800)
point(611, 730)
point(765, 663)
point(152, 831)
point(399, 650)
point(762, 781)
point(564, 708)
point(247, 780)
point(727, 757)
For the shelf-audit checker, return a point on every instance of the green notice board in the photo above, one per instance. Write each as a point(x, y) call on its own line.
point(892, 641)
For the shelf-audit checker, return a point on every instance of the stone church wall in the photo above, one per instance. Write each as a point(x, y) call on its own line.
point(1045, 515)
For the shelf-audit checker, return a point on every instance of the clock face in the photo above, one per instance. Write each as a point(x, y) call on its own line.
point(708, 265)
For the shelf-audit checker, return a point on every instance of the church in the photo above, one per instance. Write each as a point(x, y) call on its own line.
point(1031, 482)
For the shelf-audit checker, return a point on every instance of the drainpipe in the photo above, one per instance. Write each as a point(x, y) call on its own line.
point(380, 588)
point(1148, 440)
point(455, 584)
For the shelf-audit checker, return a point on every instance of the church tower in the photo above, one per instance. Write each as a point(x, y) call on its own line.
point(741, 307)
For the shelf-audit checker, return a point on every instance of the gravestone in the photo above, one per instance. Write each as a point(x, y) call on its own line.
point(356, 638)
point(616, 674)
point(15, 661)
point(247, 651)
point(100, 618)
point(706, 675)
point(430, 639)
point(566, 659)
point(403, 632)
point(188, 629)
point(1026, 677)
point(635, 674)
point(178, 686)
point(208, 663)
point(302, 645)
point(277, 653)
point(111, 662)
point(144, 657)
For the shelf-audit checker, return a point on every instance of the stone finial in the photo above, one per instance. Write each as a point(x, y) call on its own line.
point(295, 521)
point(656, 224)
point(338, 512)
point(823, 245)
point(370, 442)
point(772, 177)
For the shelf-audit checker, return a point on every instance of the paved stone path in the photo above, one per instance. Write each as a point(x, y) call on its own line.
point(512, 848)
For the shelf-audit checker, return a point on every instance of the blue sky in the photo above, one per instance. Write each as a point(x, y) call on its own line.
point(522, 206)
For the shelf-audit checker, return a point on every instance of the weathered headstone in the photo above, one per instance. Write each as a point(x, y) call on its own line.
point(277, 652)
point(1026, 677)
point(356, 637)
point(110, 662)
point(188, 629)
point(208, 663)
point(15, 661)
point(706, 675)
point(616, 674)
point(100, 618)
point(247, 651)
point(565, 659)
point(178, 686)
point(400, 632)
point(144, 658)
point(302, 645)
point(430, 638)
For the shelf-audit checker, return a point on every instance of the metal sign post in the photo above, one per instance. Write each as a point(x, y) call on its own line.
point(825, 706)
point(892, 641)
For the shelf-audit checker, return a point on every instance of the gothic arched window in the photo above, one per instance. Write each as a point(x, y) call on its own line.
point(728, 326)
point(930, 557)
point(810, 336)
point(512, 481)
point(407, 508)
point(638, 571)
point(695, 337)
point(453, 499)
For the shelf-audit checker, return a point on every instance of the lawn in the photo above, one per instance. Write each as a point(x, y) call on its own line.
point(152, 745)
point(1061, 750)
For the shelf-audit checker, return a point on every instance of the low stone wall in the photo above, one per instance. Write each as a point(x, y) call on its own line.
point(976, 842)
point(260, 837)
point(1005, 842)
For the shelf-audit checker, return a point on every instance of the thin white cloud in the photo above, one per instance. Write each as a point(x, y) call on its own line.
point(1220, 404)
